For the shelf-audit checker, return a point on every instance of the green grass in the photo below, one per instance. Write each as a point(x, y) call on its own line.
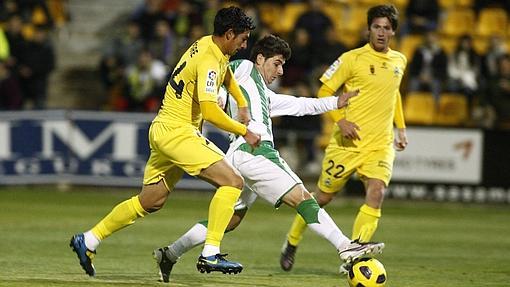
point(427, 243)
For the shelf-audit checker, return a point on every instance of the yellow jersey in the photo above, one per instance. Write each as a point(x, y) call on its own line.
point(377, 76)
point(196, 78)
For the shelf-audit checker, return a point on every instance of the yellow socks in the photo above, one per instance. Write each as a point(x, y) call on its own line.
point(221, 210)
point(365, 224)
point(296, 230)
point(122, 215)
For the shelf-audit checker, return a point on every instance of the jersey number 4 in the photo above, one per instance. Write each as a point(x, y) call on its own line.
point(178, 88)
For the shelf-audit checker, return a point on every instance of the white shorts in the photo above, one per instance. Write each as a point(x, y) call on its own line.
point(265, 174)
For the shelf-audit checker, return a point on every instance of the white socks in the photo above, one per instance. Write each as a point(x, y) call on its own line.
point(327, 229)
point(194, 237)
point(91, 240)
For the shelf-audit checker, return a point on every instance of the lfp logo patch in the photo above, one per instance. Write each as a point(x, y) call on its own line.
point(210, 82)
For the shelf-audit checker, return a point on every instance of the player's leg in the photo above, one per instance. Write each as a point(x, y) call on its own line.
point(152, 197)
point(221, 209)
point(319, 221)
point(376, 173)
point(367, 219)
point(166, 257)
point(337, 166)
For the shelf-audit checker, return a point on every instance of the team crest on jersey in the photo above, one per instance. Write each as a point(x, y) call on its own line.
point(332, 69)
point(396, 71)
point(372, 69)
point(210, 82)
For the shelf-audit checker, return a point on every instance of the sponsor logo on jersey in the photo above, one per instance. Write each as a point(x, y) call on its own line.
point(332, 69)
point(210, 82)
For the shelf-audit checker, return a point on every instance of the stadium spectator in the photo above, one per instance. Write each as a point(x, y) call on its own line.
point(330, 50)
point(147, 15)
point(315, 22)
point(16, 40)
point(120, 52)
point(421, 16)
point(10, 91)
point(428, 69)
point(145, 82)
point(464, 69)
point(36, 12)
point(495, 50)
point(363, 140)
point(8, 8)
point(500, 92)
point(484, 113)
point(36, 63)
point(300, 64)
point(164, 44)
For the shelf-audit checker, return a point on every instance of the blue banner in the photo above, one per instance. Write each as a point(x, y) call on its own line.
point(76, 147)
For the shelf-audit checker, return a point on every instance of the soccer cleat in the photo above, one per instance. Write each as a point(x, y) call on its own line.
point(356, 250)
point(165, 265)
point(345, 268)
point(218, 263)
point(287, 256)
point(84, 254)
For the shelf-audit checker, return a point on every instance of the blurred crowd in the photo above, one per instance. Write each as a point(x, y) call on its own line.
point(458, 70)
point(27, 55)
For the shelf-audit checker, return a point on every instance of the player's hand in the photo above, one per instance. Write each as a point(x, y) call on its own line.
point(221, 102)
point(343, 99)
point(349, 129)
point(243, 115)
point(400, 141)
point(252, 138)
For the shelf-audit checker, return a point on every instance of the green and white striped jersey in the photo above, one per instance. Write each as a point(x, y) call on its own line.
point(264, 103)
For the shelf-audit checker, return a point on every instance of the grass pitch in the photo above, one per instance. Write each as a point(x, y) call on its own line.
point(427, 243)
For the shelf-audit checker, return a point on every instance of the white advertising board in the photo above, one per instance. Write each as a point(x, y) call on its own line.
point(440, 156)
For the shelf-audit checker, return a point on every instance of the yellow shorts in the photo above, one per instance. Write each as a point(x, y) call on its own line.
point(339, 164)
point(175, 150)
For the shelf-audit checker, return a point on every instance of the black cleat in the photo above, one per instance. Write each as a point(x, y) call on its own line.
point(165, 265)
point(287, 256)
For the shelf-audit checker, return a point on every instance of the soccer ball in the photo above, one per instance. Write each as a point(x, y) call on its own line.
point(368, 272)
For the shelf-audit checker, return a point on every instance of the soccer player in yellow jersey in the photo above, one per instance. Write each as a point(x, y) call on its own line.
point(177, 145)
point(362, 139)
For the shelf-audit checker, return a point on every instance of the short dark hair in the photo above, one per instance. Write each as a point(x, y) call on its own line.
point(232, 18)
point(270, 46)
point(389, 11)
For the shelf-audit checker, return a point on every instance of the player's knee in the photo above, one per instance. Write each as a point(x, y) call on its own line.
point(236, 180)
point(153, 197)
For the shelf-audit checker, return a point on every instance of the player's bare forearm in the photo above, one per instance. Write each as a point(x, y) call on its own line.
point(343, 99)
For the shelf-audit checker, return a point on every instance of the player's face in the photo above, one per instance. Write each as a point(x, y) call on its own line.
point(380, 34)
point(270, 68)
point(237, 42)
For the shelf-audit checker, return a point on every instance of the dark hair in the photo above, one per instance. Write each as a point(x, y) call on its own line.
point(270, 46)
point(389, 11)
point(232, 18)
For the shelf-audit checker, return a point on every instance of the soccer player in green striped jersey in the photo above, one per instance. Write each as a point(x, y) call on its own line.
point(266, 174)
